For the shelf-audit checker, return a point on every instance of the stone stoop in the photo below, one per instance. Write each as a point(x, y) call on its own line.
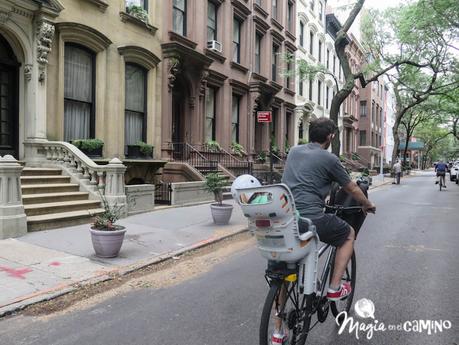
point(52, 201)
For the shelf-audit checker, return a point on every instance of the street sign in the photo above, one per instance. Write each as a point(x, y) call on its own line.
point(264, 116)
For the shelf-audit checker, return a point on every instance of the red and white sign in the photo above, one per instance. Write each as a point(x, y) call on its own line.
point(264, 116)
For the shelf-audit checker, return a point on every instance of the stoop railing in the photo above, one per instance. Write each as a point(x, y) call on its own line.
point(108, 179)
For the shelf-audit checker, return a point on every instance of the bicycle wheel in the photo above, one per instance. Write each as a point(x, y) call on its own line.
point(349, 276)
point(293, 308)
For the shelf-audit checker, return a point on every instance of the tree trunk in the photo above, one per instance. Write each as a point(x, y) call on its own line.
point(396, 141)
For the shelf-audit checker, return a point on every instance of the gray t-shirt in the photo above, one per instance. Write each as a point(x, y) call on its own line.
point(309, 173)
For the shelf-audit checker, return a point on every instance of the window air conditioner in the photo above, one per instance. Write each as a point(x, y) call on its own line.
point(214, 45)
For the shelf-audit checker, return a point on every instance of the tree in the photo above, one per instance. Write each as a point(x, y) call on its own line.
point(434, 136)
point(416, 60)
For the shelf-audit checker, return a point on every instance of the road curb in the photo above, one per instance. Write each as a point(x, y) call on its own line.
point(50, 294)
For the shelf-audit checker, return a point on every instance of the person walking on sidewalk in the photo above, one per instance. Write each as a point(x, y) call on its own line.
point(397, 171)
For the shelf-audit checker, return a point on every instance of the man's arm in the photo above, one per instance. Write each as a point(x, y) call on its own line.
point(353, 189)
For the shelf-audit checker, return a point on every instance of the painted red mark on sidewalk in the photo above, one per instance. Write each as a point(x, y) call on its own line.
point(54, 263)
point(15, 273)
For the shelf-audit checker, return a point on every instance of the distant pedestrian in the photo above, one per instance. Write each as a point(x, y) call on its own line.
point(397, 172)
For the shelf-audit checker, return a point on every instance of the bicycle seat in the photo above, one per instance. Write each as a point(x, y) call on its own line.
point(273, 220)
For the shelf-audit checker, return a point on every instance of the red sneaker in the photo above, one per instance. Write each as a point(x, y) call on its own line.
point(344, 291)
point(279, 339)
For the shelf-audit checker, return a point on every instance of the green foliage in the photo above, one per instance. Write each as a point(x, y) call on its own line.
point(106, 221)
point(213, 146)
point(287, 146)
point(138, 12)
point(302, 142)
point(355, 156)
point(88, 144)
point(146, 149)
point(215, 184)
point(237, 149)
point(261, 157)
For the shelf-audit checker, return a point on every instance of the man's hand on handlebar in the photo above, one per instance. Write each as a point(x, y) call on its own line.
point(369, 208)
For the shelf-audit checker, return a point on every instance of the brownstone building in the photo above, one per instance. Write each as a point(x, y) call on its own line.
point(225, 60)
point(371, 122)
point(351, 105)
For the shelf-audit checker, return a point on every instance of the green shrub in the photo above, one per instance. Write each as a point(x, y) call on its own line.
point(146, 149)
point(213, 146)
point(302, 142)
point(138, 12)
point(237, 149)
point(261, 157)
point(88, 144)
point(215, 184)
point(106, 220)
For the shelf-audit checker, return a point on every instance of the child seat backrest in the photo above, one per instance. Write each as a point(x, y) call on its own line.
point(272, 219)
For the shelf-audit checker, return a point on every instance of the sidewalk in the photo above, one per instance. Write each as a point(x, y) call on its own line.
point(42, 265)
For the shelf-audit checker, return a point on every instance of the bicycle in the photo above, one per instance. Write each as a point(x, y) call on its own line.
point(296, 293)
point(442, 179)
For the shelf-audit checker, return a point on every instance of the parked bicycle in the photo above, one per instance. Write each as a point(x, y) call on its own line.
point(299, 269)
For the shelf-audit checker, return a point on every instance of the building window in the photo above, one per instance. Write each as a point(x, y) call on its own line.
point(301, 86)
point(319, 92)
point(321, 11)
point(135, 104)
point(363, 138)
point(235, 119)
point(301, 34)
point(275, 56)
point(328, 58)
point(320, 51)
point(274, 9)
point(363, 108)
point(340, 69)
point(327, 97)
point(236, 40)
point(310, 89)
point(78, 92)
point(179, 17)
point(258, 2)
point(211, 21)
point(334, 65)
point(290, 17)
point(140, 3)
point(289, 73)
point(210, 113)
point(311, 43)
point(311, 3)
point(373, 112)
point(288, 125)
point(258, 39)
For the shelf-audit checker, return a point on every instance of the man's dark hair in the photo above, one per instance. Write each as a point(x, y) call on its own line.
point(320, 129)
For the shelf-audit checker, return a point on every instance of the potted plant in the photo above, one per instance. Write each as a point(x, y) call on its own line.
point(90, 147)
point(138, 12)
point(261, 157)
point(107, 237)
point(275, 151)
point(140, 150)
point(221, 213)
point(237, 149)
point(212, 146)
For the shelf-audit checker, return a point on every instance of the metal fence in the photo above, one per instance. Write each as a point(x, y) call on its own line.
point(163, 193)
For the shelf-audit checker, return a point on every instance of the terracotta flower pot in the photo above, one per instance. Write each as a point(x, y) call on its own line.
point(221, 213)
point(107, 243)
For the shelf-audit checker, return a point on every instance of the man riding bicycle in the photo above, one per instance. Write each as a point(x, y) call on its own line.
point(309, 172)
point(441, 169)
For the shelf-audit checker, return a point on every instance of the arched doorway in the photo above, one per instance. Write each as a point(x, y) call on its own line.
point(9, 106)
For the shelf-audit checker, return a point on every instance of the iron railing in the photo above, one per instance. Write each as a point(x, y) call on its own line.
point(163, 193)
point(185, 153)
point(237, 166)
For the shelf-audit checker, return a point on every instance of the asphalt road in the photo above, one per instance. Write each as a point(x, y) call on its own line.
point(407, 263)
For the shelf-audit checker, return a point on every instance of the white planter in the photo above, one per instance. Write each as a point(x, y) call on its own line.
point(107, 243)
point(221, 213)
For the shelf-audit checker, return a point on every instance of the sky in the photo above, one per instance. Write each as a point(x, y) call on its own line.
point(379, 4)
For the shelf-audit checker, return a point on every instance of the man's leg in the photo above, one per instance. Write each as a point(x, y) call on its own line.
point(343, 255)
